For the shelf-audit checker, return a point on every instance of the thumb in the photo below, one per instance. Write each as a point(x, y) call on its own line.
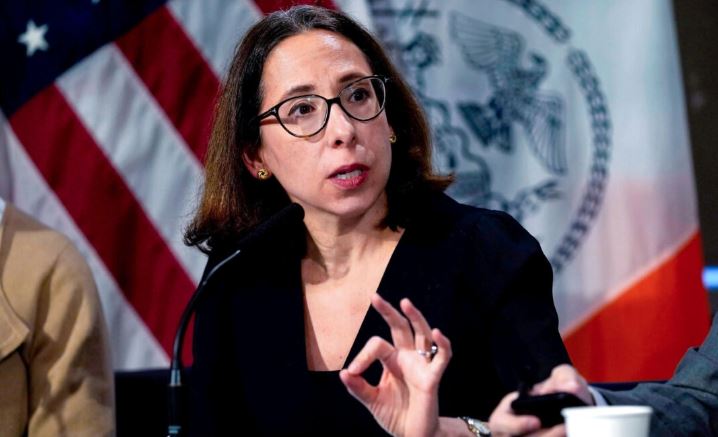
point(358, 387)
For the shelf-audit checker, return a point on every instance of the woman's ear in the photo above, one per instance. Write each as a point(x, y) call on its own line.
point(392, 137)
point(254, 165)
point(392, 134)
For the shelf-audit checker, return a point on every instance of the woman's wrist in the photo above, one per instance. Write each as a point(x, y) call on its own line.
point(452, 427)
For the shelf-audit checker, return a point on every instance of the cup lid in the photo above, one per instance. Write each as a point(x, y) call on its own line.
point(607, 411)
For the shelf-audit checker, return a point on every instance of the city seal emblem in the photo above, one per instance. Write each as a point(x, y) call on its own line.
point(516, 110)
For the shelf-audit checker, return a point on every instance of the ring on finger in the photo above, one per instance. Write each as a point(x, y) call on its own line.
point(428, 353)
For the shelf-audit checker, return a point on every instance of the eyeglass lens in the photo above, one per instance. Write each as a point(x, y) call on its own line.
point(307, 115)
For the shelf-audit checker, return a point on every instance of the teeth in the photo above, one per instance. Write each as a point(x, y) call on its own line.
point(351, 174)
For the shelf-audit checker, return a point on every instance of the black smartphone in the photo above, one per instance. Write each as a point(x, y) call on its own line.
point(546, 407)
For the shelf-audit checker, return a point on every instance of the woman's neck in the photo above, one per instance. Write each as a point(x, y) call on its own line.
point(334, 245)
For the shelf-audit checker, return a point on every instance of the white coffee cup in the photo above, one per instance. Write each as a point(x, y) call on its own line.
point(610, 421)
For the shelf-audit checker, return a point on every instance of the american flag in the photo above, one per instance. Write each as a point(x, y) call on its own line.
point(106, 110)
point(106, 107)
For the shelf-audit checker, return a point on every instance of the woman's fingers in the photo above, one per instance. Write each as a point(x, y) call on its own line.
point(375, 349)
point(358, 387)
point(399, 326)
point(422, 330)
point(422, 338)
point(443, 355)
point(565, 378)
point(504, 422)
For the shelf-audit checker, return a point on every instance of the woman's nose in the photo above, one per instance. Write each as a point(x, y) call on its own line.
point(340, 127)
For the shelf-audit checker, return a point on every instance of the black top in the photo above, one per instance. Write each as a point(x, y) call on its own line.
point(475, 274)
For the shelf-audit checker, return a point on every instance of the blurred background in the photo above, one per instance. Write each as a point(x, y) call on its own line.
point(697, 23)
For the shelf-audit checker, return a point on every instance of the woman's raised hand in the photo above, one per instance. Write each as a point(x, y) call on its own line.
point(405, 402)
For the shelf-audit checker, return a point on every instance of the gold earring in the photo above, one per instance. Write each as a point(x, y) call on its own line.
point(263, 174)
point(392, 138)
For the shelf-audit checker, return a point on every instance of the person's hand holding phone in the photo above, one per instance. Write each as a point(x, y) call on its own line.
point(546, 407)
point(564, 387)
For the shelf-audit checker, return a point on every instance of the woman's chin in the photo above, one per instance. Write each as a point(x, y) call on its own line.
point(350, 209)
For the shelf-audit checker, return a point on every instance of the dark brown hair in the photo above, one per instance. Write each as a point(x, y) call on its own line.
point(233, 200)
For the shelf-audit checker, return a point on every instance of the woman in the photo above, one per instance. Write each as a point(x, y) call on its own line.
point(313, 112)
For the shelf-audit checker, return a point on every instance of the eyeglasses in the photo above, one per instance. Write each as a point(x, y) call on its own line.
point(304, 116)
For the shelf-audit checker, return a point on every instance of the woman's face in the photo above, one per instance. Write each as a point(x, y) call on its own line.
point(343, 169)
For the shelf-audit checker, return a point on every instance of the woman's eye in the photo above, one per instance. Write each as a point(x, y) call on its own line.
point(301, 109)
point(359, 95)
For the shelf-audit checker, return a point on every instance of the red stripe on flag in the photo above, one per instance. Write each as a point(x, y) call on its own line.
point(175, 73)
point(645, 331)
point(267, 6)
point(105, 210)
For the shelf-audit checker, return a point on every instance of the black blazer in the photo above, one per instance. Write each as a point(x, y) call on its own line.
point(475, 274)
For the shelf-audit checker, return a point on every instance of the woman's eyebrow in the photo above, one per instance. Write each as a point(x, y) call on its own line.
point(297, 89)
point(308, 88)
point(348, 77)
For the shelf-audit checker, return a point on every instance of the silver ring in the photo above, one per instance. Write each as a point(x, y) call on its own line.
point(430, 353)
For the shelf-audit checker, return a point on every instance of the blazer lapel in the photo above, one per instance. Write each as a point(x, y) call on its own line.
point(269, 337)
point(395, 285)
point(414, 271)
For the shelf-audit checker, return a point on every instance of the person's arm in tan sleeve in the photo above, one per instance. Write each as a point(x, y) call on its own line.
point(71, 380)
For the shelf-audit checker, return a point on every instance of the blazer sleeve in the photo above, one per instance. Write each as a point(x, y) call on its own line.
point(687, 404)
point(523, 321)
point(71, 381)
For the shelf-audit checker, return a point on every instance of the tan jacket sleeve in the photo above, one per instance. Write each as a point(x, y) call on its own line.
point(71, 391)
point(55, 373)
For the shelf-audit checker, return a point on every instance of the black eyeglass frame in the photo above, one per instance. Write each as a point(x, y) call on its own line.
point(274, 110)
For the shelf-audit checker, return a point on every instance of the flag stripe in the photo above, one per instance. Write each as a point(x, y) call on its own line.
point(627, 335)
point(105, 210)
point(149, 154)
point(230, 20)
point(133, 344)
point(175, 73)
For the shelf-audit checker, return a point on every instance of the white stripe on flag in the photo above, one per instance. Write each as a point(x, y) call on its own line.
point(133, 345)
point(215, 26)
point(141, 143)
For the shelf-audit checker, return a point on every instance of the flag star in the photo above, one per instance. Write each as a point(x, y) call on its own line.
point(34, 38)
